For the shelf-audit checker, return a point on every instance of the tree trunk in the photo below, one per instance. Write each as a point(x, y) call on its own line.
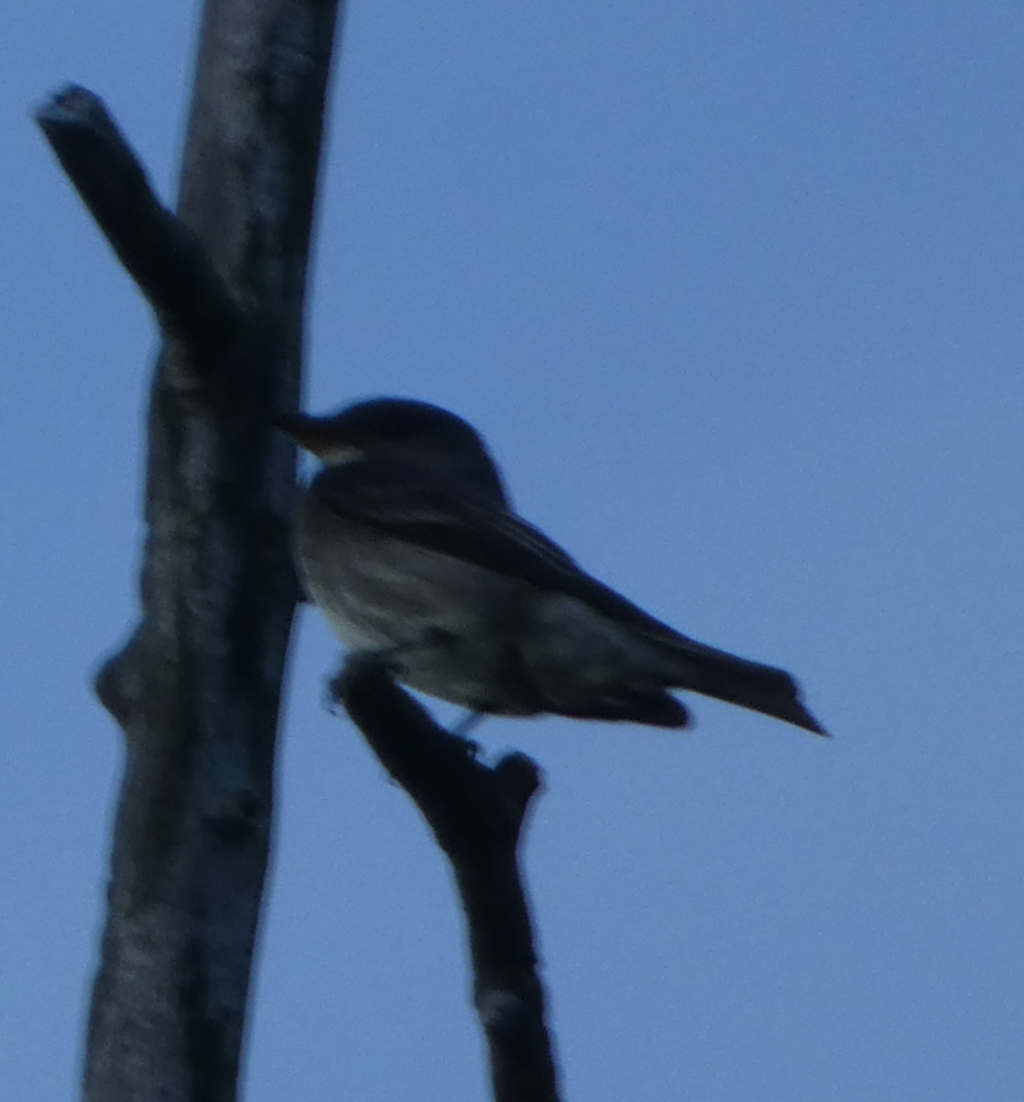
point(197, 687)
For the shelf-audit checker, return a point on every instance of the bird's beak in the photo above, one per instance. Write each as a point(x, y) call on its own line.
point(317, 435)
point(301, 428)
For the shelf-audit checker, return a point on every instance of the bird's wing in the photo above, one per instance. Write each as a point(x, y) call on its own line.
point(420, 512)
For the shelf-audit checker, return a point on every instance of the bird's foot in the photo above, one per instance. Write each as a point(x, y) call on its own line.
point(368, 661)
point(460, 730)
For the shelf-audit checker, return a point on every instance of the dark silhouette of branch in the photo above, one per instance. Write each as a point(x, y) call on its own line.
point(158, 251)
point(476, 813)
point(197, 686)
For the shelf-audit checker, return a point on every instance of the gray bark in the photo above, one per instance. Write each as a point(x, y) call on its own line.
point(476, 813)
point(197, 687)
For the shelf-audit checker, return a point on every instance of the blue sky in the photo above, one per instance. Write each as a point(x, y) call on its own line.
point(734, 291)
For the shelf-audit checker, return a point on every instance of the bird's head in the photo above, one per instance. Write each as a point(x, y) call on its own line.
point(400, 431)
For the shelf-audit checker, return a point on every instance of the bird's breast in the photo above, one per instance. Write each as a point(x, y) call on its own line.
point(452, 625)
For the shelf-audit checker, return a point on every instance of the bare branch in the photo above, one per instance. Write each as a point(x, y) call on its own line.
point(197, 687)
point(158, 251)
point(476, 813)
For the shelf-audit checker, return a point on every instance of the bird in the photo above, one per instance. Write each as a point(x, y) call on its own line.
point(407, 542)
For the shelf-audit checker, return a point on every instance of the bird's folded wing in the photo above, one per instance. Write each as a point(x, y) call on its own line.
point(405, 507)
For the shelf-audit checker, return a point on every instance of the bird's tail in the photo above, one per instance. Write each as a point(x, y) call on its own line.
point(739, 681)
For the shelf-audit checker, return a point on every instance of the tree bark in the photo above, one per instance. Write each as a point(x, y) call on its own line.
point(197, 687)
point(476, 813)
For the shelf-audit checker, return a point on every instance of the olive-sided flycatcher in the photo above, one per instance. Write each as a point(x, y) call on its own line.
point(408, 544)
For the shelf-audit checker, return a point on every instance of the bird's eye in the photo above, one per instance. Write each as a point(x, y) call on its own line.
point(404, 425)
